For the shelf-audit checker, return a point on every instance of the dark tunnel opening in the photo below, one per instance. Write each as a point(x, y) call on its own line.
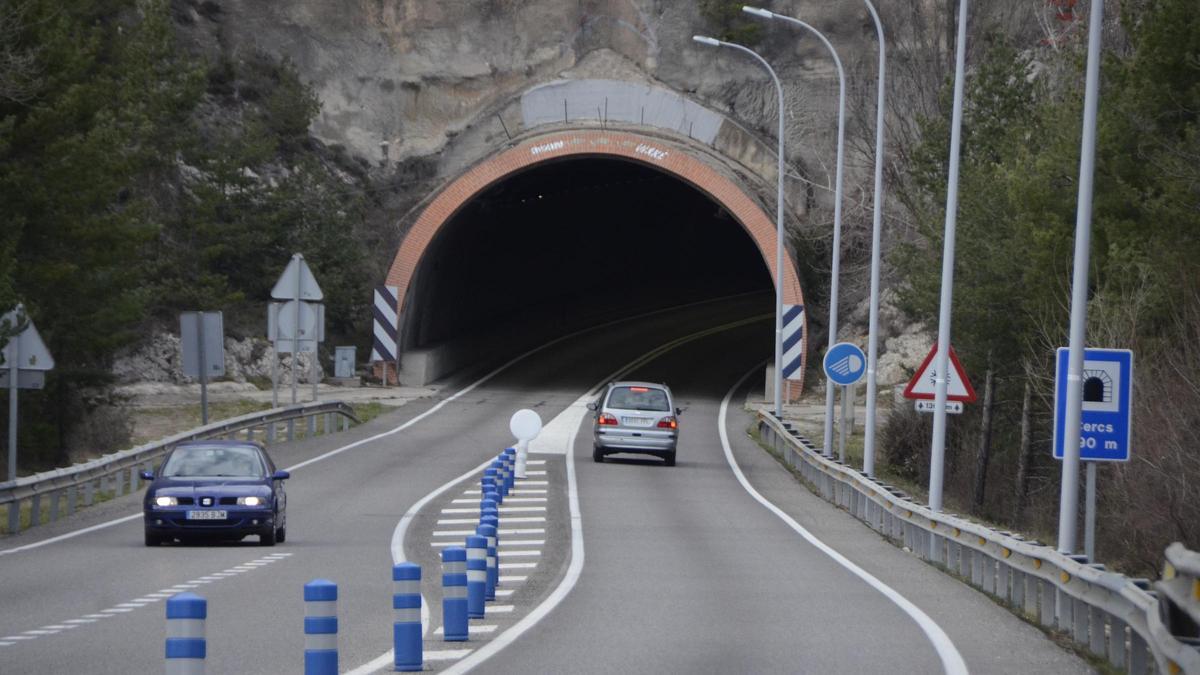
point(579, 241)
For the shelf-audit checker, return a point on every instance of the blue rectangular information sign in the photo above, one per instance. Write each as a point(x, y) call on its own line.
point(1107, 410)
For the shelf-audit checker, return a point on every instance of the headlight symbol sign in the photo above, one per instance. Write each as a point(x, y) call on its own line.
point(845, 364)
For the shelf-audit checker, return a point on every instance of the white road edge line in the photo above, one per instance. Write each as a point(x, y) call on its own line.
point(402, 427)
point(952, 661)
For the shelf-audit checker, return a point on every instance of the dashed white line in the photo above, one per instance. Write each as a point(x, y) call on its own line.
point(519, 554)
point(511, 579)
point(445, 654)
point(475, 629)
point(517, 566)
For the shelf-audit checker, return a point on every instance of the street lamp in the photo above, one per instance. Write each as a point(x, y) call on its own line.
point(876, 228)
point(837, 212)
point(713, 42)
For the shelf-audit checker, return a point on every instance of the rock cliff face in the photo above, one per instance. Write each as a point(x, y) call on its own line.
point(425, 87)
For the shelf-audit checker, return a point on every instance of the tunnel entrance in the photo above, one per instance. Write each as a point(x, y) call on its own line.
point(573, 229)
point(579, 238)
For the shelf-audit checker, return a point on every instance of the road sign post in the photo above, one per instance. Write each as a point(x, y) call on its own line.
point(1105, 429)
point(845, 364)
point(937, 393)
point(202, 340)
point(297, 283)
point(25, 359)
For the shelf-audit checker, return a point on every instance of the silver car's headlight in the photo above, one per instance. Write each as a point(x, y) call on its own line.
point(251, 501)
point(166, 501)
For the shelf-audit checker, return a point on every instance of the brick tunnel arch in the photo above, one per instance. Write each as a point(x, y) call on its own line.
point(645, 150)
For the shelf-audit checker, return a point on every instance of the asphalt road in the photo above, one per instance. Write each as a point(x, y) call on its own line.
point(683, 570)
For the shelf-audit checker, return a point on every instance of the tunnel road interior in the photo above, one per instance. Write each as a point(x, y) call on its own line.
point(578, 241)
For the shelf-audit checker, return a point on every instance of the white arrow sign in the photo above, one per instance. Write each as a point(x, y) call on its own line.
point(297, 279)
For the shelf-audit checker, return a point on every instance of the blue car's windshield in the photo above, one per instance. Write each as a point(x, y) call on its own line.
point(214, 462)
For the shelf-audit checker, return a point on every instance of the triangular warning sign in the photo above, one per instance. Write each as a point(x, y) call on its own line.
point(922, 385)
point(297, 282)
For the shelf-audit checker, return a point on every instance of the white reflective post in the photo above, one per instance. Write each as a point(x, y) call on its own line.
point(1069, 495)
point(778, 375)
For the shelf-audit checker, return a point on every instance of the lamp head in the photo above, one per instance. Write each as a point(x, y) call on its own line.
point(705, 40)
point(756, 11)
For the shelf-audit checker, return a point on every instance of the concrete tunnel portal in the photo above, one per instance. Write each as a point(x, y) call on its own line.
point(569, 230)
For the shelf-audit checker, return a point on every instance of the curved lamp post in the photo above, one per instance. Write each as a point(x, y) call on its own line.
point(876, 228)
point(778, 375)
point(837, 213)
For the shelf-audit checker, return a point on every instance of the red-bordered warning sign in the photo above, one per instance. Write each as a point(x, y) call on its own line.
point(922, 385)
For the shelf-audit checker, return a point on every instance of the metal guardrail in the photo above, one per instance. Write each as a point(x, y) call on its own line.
point(1136, 628)
point(51, 493)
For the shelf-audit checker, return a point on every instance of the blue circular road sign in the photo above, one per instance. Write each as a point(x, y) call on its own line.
point(845, 364)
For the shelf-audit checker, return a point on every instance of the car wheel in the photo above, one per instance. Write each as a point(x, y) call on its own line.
point(669, 458)
point(281, 535)
point(153, 539)
point(267, 538)
point(597, 455)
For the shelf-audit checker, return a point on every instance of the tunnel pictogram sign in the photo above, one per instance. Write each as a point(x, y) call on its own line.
point(1107, 397)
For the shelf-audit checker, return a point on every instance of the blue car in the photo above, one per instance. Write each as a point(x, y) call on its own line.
point(216, 490)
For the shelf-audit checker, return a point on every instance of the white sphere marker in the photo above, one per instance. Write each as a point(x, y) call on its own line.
point(525, 425)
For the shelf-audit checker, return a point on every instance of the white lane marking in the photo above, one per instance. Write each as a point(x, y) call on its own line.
point(80, 621)
point(519, 554)
point(19, 637)
point(517, 566)
point(7, 644)
point(500, 609)
point(535, 473)
point(522, 542)
point(527, 530)
point(552, 439)
point(575, 568)
point(511, 579)
point(453, 533)
point(532, 482)
point(952, 661)
point(537, 462)
point(135, 605)
point(523, 500)
point(505, 592)
point(57, 627)
point(503, 510)
point(158, 595)
point(116, 610)
point(95, 616)
point(474, 629)
point(146, 600)
point(445, 654)
point(527, 491)
point(464, 501)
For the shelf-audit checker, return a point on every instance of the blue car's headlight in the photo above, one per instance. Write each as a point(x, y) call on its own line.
point(166, 501)
point(251, 501)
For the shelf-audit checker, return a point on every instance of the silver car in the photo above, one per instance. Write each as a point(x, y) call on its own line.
point(637, 417)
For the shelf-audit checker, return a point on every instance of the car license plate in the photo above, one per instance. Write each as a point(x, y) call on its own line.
point(636, 421)
point(207, 515)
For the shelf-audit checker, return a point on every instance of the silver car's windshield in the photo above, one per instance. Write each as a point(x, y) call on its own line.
point(639, 398)
point(214, 462)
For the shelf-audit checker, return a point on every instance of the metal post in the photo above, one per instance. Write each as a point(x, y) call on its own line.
point(296, 329)
point(1089, 517)
point(842, 427)
point(837, 212)
point(203, 366)
point(13, 373)
point(1069, 495)
point(876, 228)
point(938, 451)
point(778, 374)
point(274, 374)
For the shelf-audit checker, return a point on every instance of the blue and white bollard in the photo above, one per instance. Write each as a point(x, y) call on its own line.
point(406, 632)
point(493, 572)
point(476, 576)
point(186, 646)
point(490, 479)
point(454, 594)
point(320, 628)
point(510, 455)
point(501, 477)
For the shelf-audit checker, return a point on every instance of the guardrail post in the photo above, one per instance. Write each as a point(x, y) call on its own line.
point(476, 576)
point(186, 645)
point(271, 433)
point(1046, 591)
point(493, 571)
point(1096, 630)
point(89, 493)
point(55, 498)
point(1080, 619)
point(312, 425)
point(406, 632)
point(1138, 660)
point(320, 628)
point(1016, 596)
point(250, 434)
point(72, 497)
point(14, 516)
point(291, 430)
point(454, 594)
point(1063, 608)
point(1116, 643)
point(35, 510)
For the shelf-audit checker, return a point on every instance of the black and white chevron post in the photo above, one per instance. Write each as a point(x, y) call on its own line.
point(384, 309)
point(793, 342)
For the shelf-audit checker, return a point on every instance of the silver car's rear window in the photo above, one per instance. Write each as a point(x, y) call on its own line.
point(638, 398)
